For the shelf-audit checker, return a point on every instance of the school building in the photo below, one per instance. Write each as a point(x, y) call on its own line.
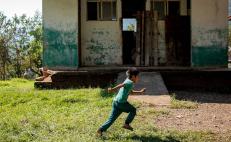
point(150, 33)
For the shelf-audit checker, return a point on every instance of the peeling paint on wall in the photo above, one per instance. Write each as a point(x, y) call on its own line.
point(101, 46)
point(101, 49)
point(210, 47)
point(60, 48)
point(210, 37)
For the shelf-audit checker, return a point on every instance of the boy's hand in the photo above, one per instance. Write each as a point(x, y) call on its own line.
point(109, 90)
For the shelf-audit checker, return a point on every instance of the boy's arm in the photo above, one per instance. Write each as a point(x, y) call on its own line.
point(135, 92)
point(111, 90)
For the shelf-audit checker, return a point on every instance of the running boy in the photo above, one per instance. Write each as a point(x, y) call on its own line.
point(120, 103)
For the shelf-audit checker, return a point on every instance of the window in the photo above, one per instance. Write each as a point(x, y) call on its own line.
point(166, 7)
point(92, 12)
point(173, 8)
point(129, 24)
point(101, 10)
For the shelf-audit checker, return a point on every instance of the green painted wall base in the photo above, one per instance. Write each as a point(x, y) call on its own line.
point(209, 56)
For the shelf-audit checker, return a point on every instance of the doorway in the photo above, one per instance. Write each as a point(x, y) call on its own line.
point(159, 37)
point(178, 34)
point(130, 9)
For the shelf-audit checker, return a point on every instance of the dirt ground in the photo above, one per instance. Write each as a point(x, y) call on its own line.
point(212, 115)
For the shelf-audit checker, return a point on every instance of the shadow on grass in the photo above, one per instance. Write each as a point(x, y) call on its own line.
point(20, 101)
point(153, 139)
point(74, 100)
point(105, 94)
point(4, 84)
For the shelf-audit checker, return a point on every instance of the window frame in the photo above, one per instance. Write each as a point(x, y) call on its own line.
point(166, 5)
point(93, 1)
point(100, 10)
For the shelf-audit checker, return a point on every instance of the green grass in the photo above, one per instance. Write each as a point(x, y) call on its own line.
point(28, 114)
point(179, 104)
point(148, 111)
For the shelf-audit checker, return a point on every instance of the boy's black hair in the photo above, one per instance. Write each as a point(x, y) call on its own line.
point(132, 72)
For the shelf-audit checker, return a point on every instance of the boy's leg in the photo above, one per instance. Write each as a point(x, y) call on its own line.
point(126, 107)
point(114, 115)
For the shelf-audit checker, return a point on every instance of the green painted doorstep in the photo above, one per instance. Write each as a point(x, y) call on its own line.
point(209, 56)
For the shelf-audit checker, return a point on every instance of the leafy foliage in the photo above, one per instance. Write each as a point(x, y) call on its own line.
point(20, 44)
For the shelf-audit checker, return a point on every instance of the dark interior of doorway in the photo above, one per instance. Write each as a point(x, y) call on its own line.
point(129, 10)
point(178, 35)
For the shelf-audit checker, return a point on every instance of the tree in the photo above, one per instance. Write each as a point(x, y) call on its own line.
point(20, 43)
point(35, 50)
point(6, 34)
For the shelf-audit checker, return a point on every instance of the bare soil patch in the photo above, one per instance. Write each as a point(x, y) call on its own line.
point(213, 114)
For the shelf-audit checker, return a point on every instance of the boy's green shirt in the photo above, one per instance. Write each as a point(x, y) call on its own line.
point(123, 93)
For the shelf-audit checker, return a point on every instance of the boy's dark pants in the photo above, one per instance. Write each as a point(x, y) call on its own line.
point(117, 109)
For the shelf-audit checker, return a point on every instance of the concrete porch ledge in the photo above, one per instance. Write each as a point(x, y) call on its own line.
point(78, 79)
point(214, 80)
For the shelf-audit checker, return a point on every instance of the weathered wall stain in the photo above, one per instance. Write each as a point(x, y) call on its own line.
point(101, 48)
point(101, 51)
point(60, 48)
point(215, 37)
point(210, 47)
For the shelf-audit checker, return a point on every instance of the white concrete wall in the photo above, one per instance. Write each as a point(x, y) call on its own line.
point(101, 41)
point(208, 15)
point(60, 14)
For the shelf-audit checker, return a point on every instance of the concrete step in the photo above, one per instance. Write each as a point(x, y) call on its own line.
point(157, 100)
point(152, 81)
point(156, 91)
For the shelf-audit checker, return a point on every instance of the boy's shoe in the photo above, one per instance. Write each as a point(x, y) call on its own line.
point(127, 126)
point(99, 133)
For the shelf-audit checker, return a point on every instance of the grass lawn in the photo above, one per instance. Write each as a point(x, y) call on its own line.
point(74, 115)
